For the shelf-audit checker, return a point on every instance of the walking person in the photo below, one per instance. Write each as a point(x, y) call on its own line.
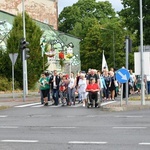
point(63, 90)
point(108, 83)
point(54, 80)
point(82, 89)
point(44, 87)
point(71, 89)
point(112, 87)
point(102, 85)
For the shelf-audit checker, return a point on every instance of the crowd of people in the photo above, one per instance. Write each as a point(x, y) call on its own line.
point(95, 84)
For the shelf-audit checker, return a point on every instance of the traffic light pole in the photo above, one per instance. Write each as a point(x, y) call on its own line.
point(127, 62)
point(25, 83)
point(142, 58)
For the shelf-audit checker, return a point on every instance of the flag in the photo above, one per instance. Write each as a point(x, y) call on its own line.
point(104, 63)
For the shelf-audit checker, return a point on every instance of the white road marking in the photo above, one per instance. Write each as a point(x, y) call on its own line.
point(106, 103)
point(91, 116)
point(129, 116)
point(129, 127)
point(8, 127)
point(71, 116)
point(20, 141)
point(3, 116)
point(38, 105)
point(134, 116)
point(63, 127)
point(144, 143)
point(86, 142)
point(55, 106)
point(28, 105)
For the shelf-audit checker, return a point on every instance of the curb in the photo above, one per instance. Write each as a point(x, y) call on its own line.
point(124, 108)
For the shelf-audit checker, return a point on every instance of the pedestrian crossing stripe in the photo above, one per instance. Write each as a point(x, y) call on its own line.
point(26, 105)
point(38, 105)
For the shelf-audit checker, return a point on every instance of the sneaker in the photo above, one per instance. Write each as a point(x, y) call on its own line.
point(83, 104)
point(46, 104)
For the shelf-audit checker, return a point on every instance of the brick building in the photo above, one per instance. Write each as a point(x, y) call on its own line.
point(45, 11)
point(45, 14)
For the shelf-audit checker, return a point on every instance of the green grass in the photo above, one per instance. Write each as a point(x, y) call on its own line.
point(137, 98)
point(4, 107)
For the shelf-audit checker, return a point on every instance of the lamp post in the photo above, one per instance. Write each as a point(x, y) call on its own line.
point(142, 58)
point(113, 42)
point(25, 87)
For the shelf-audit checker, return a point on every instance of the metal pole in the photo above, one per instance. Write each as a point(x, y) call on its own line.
point(121, 94)
point(23, 53)
point(13, 78)
point(127, 54)
point(114, 49)
point(142, 60)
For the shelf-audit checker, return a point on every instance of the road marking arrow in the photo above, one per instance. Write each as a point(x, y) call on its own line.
point(124, 77)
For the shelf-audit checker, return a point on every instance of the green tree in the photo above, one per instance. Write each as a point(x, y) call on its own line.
point(84, 9)
point(99, 28)
point(34, 62)
point(131, 14)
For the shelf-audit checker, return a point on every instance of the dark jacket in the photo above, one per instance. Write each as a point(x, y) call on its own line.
point(57, 80)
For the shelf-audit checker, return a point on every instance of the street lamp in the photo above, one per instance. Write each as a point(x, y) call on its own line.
point(113, 42)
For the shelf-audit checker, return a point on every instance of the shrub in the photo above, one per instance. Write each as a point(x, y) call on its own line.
point(5, 84)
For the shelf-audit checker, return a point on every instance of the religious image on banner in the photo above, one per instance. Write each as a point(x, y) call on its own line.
point(69, 54)
point(50, 52)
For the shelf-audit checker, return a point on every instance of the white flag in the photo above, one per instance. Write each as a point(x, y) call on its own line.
point(104, 63)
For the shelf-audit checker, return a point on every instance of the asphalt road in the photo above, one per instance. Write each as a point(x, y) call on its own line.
point(34, 127)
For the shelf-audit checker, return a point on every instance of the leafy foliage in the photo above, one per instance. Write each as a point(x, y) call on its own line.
point(34, 62)
point(96, 24)
point(131, 14)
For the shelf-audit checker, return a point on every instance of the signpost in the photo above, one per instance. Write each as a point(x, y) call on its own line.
point(122, 76)
point(13, 58)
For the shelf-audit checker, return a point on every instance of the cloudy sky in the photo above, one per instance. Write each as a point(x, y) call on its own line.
point(64, 3)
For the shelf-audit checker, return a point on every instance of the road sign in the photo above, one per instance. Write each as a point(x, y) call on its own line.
point(13, 57)
point(122, 75)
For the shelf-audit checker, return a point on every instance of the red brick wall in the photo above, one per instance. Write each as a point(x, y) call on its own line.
point(42, 10)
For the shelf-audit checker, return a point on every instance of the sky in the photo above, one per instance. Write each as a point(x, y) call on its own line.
point(116, 4)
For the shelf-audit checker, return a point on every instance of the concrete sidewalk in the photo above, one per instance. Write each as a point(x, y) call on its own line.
point(131, 105)
point(6, 99)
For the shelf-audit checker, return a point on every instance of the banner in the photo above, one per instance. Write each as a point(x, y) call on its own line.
point(104, 63)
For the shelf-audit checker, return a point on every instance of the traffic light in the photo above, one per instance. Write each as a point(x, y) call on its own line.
point(26, 52)
point(24, 49)
point(23, 44)
point(128, 44)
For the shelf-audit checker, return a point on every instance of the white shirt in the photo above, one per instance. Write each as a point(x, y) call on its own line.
point(82, 85)
point(54, 82)
point(71, 83)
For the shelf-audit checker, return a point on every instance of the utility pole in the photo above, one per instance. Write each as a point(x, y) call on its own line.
point(142, 60)
point(25, 81)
